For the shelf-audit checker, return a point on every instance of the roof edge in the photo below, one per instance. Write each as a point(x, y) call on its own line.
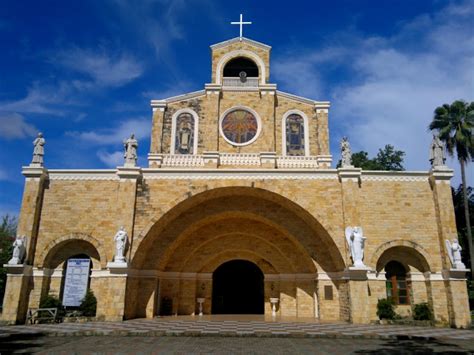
point(244, 39)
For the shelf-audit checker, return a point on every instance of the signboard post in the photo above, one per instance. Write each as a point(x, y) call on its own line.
point(77, 279)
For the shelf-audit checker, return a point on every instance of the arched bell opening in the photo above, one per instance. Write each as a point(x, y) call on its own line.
point(238, 288)
point(241, 66)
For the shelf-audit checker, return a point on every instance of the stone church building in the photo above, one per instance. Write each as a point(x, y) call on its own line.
point(239, 206)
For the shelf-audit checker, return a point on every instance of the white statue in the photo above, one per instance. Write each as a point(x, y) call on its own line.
point(346, 154)
point(38, 151)
point(356, 241)
point(437, 153)
point(120, 239)
point(454, 253)
point(130, 147)
point(19, 250)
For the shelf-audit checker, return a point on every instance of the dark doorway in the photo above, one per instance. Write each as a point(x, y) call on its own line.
point(237, 288)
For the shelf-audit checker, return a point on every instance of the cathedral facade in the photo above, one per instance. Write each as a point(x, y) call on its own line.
point(240, 212)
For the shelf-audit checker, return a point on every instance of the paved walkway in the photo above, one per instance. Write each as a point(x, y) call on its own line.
point(238, 326)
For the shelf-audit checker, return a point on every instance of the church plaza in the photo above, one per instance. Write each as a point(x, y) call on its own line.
point(238, 212)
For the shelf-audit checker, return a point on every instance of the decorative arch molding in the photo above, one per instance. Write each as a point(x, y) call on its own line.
point(157, 224)
point(240, 53)
point(284, 259)
point(174, 119)
point(306, 130)
point(417, 251)
point(51, 249)
point(236, 254)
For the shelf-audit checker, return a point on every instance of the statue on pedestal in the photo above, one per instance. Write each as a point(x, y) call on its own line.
point(38, 151)
point(19, 250)
point(356, 241)
point(130, 147)
point(346, 154)
point(437, 153)
point(454, 253)
point(120, 239)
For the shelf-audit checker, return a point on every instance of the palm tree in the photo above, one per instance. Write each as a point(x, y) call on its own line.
point(455, 125)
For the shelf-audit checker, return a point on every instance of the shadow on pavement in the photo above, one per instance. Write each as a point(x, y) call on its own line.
point(415, 346)
point(21, 343)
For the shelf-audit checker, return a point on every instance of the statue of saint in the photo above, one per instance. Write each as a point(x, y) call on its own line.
point(346, 154)
point(130, 146)
point(184, 135)
point(120, 239)
point(19, 250)
point(356, 241)
point(437, 154)
point(454, 253)
point(38, 151)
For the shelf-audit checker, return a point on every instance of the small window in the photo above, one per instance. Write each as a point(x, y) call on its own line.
point(328, 293)
point(295, 135)
point(397, 285)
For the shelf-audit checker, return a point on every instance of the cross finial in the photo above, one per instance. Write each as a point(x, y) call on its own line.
point(241, 23)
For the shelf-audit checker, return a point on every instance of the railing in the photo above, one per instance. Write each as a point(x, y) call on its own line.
point(297, 162)
point(253, 160)
point(236, 82)
point(182, 161)
point(239, 159)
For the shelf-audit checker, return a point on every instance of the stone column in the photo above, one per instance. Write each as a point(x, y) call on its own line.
point(322, 110)
point(453, 280)
point(19, 281)
point(158, 108)
point(110, 289)
point(357, 278)
point(209, 126)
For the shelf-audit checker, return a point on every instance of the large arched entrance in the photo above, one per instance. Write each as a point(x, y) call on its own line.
point(237, 288)
point(212, 248)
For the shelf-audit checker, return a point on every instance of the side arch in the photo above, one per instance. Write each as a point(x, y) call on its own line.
point(46, 257)
point(405, 251)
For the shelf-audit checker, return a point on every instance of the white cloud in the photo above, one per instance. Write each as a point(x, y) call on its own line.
point(44, 99)
point(170, 90)
point(139, 126)
point(3, 175)
point(13, 126)
point(111, 160)
point(104, 68)
point(394, 84)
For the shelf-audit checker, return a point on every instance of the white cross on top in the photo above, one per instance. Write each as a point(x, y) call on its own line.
point(241, 23)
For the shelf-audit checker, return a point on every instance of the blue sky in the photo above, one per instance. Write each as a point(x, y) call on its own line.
point(83, 72)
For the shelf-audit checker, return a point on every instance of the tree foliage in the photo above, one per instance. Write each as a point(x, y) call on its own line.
point(88, 305)
point(7, 236)
point(455, 126)
point(387, 158)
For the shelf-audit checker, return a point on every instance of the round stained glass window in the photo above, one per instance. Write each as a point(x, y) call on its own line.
point(240, 127)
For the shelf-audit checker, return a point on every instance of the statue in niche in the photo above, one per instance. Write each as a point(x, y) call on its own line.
point(437, 153)
point(184, 134)
point(356, 241)
point(38, 151)
point(120, 239)
point(454, 253)
point(346, 154)
point(19, 250)
point(130, 151)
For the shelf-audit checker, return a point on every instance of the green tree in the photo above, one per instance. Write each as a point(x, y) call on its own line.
point(455, 124)
point(7, 236)
point(389, 159)
point(386, 159)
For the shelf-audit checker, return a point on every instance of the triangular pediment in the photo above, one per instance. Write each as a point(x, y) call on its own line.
point(237, 40)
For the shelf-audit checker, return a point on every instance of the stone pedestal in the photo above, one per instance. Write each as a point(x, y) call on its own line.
point(15, 301)
point(111, 292)
point(358, 292)
point(200, 301)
